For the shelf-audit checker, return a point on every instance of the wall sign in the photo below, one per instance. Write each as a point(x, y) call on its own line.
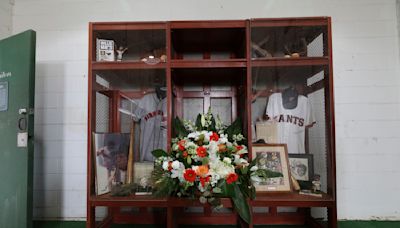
point(3, 96)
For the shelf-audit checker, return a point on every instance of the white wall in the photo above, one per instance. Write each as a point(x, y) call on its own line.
point(5, 18)
point(367, 91)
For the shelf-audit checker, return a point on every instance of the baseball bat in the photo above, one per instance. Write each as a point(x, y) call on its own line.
point(129, 173)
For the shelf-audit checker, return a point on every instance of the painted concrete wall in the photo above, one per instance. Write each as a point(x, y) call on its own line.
point(367, 91)
point(6, 18)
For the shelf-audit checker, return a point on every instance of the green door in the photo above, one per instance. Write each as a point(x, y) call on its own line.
point(17, 89)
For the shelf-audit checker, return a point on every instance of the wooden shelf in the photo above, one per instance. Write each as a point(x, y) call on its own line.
point(265, 199)
point(115, 26)
point(126, 65)
point(279, 22)
point(301, 61)
point(292, 199)
point(208, 24)
point(208, 63)
point(133, 201)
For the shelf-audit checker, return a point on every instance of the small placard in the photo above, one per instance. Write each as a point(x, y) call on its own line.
point(3, 96)
point(22, 139)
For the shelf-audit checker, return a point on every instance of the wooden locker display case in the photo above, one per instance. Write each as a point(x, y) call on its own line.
point(232, 67)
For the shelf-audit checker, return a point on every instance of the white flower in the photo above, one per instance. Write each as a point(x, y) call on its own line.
point(207, 135)
point(223, 139)
point(203, 120)
point(243, 162)
point(178, 174)
point(254, 168)
point(191, 144)
point(178, 168)
point(227, 160)
point(193, 135)
point(214, 179)
point(243, 150)
point(236, 158)
point(175, 147)
point(165, 165)
point(175, 164)
point(221, 168)
point(240, 161)
point(238, 137)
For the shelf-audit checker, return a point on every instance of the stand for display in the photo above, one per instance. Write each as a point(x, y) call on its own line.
point(223, 54)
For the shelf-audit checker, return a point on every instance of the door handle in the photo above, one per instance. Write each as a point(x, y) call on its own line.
point(22, 124)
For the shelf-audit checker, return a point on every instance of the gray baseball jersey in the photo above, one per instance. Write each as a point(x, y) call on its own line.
point(153, 121)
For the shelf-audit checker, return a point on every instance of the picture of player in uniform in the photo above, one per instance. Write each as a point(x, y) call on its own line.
point(270, 160)
point(301, 166)
point(111, 151)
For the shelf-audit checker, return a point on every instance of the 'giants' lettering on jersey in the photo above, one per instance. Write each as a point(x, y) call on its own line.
point(153, 114)
point(290, 119)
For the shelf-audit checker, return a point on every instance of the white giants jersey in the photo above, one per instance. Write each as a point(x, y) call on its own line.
point(153, 122)
point(291, 122)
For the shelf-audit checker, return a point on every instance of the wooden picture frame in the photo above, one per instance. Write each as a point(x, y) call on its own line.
point(276, 159)
point(302, 166)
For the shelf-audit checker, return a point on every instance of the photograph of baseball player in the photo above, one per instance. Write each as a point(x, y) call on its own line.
point(111, 156)
point(274, 158)
point(301, 166)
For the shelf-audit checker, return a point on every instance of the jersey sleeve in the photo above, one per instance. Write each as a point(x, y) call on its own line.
point(138, 108)
point(271, 110)
point(310, 117)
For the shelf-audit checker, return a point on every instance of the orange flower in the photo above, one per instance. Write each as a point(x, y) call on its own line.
point(202, 170)
point(201, 151)
point(232, 177)
point(222, 148)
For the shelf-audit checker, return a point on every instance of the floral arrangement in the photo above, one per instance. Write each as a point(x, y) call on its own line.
point(208, 160)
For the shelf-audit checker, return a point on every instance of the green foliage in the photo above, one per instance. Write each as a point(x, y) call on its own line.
point(179, 128)
point(237, 192)
point(159, 153)
point(123, 190)
point(234, 129)
point(198, 125)
point(246, 186)
point(264, 173)
point(241, 204)
point(163, 185)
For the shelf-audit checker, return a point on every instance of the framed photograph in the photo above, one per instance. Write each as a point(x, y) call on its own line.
point(111, 159)
point(301, 166)
point(271, 158)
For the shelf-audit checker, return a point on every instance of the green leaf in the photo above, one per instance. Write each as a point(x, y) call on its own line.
point(234, 129)
point(212, 126)
point(179, 128)
point(226, 189)
point(241, 204)
point(189, 160)
point(159, 153)
point(199, 127)
point(265, 173)
point(205, 161)
point(217, 190)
